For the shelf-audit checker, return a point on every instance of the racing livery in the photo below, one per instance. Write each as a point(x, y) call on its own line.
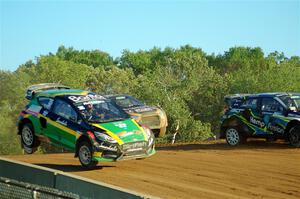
point(82, 122)
point(153, 117)
point(266, 115)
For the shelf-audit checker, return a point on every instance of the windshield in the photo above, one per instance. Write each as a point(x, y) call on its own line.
point(99, 111)
point(127, 102)
point(291, 101)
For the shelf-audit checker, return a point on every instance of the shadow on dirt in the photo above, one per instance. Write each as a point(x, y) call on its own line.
point(71, 168)
point(222, 145)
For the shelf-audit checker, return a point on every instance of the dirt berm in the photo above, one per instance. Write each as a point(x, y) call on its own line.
point(202, 170)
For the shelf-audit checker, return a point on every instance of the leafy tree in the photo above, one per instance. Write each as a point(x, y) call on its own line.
point(53, 69)
point(95, 58)
point(187, 83)
point(140, 62)
point(237, 58)
point(112, 80)
point(171, 85)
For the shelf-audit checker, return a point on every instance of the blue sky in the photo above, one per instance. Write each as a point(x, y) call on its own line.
point(32, 28)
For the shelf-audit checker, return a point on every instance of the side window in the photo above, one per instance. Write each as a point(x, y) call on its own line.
point(270, 105)
point(236, 103)
point(65, 110)
point(250, 103)
point(46, 102)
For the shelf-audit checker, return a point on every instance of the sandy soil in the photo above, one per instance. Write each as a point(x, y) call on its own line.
point(202, 170)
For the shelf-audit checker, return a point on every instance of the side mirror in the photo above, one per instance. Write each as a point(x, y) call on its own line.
point(292, 109)
point(286, 112)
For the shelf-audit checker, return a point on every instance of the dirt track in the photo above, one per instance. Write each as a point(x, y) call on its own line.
point(204, 170)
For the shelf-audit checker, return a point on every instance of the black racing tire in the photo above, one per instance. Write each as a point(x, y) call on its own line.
point(234, 137)
point(28, 138)
point(294, 136)
point(85, 155)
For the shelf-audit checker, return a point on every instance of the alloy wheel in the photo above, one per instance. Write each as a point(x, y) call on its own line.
point(27, 136)
point(232, 136)
point(85, 155)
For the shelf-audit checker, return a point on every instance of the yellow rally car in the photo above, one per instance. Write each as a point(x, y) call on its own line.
point(153, 117)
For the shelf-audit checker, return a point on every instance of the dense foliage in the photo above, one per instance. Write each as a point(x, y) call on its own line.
point(186, 82)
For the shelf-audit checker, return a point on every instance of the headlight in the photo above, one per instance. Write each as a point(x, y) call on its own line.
point(147, 131)
point(104, 137)
point(136, 117)
point(149, 135)
point(162, 113)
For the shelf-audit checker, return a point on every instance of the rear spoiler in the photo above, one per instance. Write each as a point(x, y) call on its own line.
point(242, 95)
point(31, 90)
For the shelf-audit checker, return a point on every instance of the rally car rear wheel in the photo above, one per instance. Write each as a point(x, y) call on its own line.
point(233, 136)
point(28, 138)
point(85, 155)
point(294, 136)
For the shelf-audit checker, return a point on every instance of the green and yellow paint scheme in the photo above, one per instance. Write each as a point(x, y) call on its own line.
point(57, 117)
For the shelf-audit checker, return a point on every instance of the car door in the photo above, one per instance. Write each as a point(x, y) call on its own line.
point(45, 112)
point(272, 110)
point(63, 124)
point(252, 113)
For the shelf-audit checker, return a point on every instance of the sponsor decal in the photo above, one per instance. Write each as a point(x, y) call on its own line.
point(275, 128)
point(82, 98)
point(93, 102)
point(125, 134)
point(134, 146)
point(138, 132)
point(121, 125)
point(140, 109)
point(121, 134)
point(257, 122)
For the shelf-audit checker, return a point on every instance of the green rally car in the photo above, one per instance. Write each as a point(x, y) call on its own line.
point(82, 122)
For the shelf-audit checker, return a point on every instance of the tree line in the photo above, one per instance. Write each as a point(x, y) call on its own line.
point(186, 82)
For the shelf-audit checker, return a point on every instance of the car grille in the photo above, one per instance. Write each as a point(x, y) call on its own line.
point(151, 121)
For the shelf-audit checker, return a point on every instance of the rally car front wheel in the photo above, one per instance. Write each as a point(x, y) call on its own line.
point(85, 154)
point(28, 138)
point(294, 136)
point(233, 136)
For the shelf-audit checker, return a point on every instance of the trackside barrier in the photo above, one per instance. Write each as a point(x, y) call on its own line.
point(14, 189)
point(26, 173)
point(58, 180)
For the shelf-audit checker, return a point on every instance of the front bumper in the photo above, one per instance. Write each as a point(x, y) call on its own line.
point(123, 154)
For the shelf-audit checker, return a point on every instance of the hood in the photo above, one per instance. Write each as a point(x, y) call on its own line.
point(124, 131)
point(140, 109)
